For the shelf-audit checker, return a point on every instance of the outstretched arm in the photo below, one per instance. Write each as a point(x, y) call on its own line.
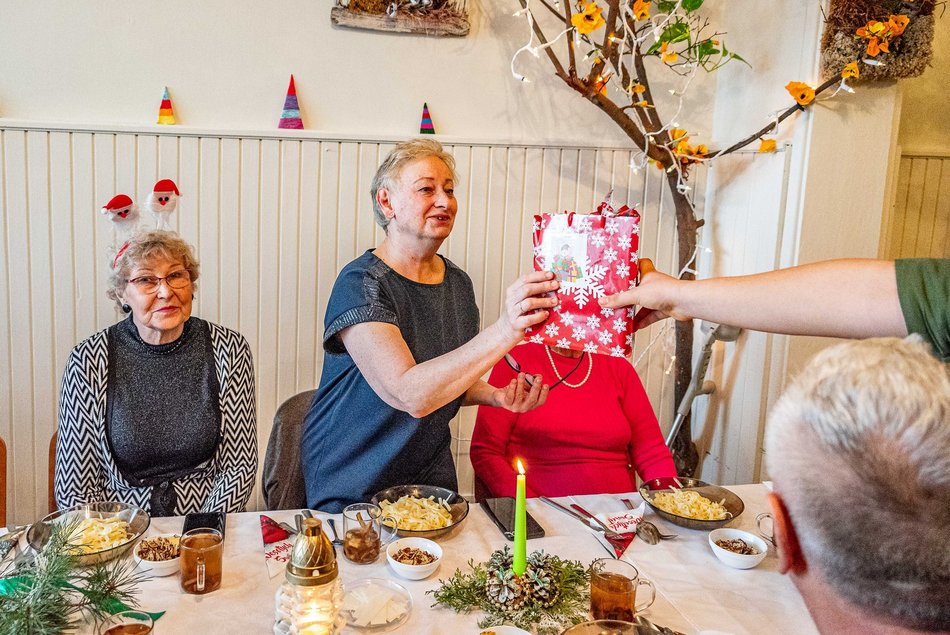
point(835, 298)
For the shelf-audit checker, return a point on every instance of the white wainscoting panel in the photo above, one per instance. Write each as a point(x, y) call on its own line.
point(273, 219)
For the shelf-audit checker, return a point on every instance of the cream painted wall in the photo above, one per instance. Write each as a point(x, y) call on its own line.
point(227, 65)
point(925, 126)
point(837, 170)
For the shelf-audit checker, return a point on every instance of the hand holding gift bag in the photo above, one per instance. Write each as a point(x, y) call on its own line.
point(592, 255)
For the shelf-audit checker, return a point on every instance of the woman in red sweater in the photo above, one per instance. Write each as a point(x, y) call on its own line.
point(596, 432)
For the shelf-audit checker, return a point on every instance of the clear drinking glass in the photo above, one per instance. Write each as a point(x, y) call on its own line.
point(364, 532)
point(613, 590)
point(201, 552)
point(127, 623)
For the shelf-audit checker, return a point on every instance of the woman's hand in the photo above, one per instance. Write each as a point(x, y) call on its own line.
point(519, 396)
point(525, 306)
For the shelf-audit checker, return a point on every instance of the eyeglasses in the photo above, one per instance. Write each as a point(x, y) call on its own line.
point(174, 280)
point(529, 377)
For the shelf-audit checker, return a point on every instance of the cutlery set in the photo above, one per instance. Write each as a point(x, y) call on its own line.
point(646, 530)
point(336, 540)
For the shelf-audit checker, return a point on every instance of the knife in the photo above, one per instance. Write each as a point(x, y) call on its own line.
point(617, 549)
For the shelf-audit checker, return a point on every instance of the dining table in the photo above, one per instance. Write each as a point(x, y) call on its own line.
point(695, 592)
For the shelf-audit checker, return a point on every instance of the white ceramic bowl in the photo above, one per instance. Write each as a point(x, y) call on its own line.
point(414, 571)
point(737, 560)
point(157, 567)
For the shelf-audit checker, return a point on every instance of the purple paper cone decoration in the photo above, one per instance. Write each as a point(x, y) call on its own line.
point(290, 117)
point(426, 126)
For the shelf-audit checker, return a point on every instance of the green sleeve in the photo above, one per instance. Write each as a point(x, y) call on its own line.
point(923, 287)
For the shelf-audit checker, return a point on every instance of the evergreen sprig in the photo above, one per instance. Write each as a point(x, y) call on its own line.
point(48, 593)
point(467, 592)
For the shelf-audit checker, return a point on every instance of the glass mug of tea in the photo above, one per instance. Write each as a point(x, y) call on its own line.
point(363, 529)
point(201, 551)
point(613, 590)
point(127, 623)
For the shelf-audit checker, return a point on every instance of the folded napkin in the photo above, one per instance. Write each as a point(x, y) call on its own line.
point(278, 544)
point(624, 523)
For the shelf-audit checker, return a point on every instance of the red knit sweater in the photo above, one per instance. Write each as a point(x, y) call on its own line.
point(585, 440)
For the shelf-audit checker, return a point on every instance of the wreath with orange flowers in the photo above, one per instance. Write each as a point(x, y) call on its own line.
point(892, 39)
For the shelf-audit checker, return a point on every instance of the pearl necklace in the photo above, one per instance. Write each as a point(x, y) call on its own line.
point(590, 365)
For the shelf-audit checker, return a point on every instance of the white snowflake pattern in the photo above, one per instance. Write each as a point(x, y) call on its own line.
point(607, 312)
point(605, 337)
point(593, 322)
point(592, 286)
point(619, 325)
point(624, 241)
point(551, 330)
point(563, 343)
point(536, 339)
point(611, 227)
point(631, 313)
point(579, 333)
point(590, 347)
point(623, 269)
point(630, 340)
point(567, 319)
point(616, 351)
point(559, 307)
point(582, 223)
point(537, 251)
point(598, 239)
point(610, 255)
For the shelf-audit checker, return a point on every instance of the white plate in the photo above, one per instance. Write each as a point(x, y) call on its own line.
point(376, 605)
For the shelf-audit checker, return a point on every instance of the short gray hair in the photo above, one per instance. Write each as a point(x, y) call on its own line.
point(859, 447)
point(402, 154)
point(142, 248)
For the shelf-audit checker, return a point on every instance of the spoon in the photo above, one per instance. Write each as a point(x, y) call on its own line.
point(647, 531)
point(336, 538)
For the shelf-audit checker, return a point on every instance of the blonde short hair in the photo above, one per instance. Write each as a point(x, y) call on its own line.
point(144, 247)
point(397, 158)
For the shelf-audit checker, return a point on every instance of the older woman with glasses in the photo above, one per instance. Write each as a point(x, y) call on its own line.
point(159, 409)
point(594, 434)
point(403, 351)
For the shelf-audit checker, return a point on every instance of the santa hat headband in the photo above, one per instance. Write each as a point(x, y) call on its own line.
point(118, 201)
point(118, 255)
point(166, 185)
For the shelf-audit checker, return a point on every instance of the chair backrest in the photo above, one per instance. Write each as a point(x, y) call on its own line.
point(3, 484)
point(282, 480)
point(51, 493)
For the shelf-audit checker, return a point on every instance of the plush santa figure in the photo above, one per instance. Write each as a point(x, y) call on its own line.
point(162, 202)
point(123, 213)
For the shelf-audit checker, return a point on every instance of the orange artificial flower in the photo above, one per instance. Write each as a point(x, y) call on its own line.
point(871, 29)
point(670, 57)
point(683, 146)
point(701, 150)
point(637, 88)
point(588, 20)
point(803, 93)
point(643, 103)
point(767, 145)
point(641, 9)
point(850, 70)
point(676, 133)
point(897, 23)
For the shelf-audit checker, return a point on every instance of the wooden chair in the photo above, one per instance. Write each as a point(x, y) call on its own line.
point(282, 479)
point(52, 474)
point(3, 484)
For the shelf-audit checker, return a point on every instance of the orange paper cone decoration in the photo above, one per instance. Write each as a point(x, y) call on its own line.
point(165, 113)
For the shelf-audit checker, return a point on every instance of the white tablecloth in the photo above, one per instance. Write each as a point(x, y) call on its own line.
point(695, 592)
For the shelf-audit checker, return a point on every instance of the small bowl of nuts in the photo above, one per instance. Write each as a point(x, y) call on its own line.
point(414, 558)
point(158, 555)
point(737, 548)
